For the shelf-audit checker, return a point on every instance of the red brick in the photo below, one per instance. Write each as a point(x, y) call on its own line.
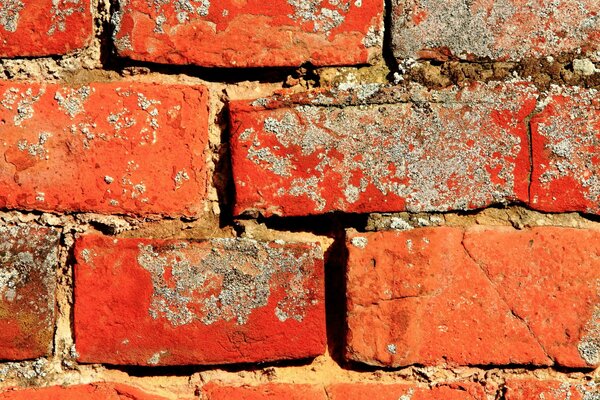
point(169, 302)
point(382, 149)
point(28, 261)
point(358, 391)
point(42, 28)
point(566, 166)
point(270, 391)
point(550, 390)
point(233, 33)
point(94, 391)
point(107, 147)
point(498, 29)
point(444, 295)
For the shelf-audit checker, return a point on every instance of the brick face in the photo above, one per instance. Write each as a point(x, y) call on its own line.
point(232, 33)
point(124, 148)
point(264, 392)
point(357, 391)
point(418, 151)
point(498, 29)
point(526, 389)
point(28, 261)
point(94, 391)
point(153, 302)
point(44, 27)
point(436, 295)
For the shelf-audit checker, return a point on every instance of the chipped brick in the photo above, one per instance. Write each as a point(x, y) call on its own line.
point(527, 389)
point(232, 33)
point(122, 148)
point(169, 302)
point(28, 261)
point(498, 30)
point(270, 391)
point(43, 28)
point(566, 166)
point(373, 148)
point(443, 295)
point(94, 391)
point(360, 391)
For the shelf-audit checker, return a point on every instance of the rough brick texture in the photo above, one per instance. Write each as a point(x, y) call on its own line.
point(263, 392)
point(250, 33)
point(94, 391)
point(354, 391)
point(28, 260)
point(496, 29)
point(382, 149)
point(165, 302)
point(435, 295)
point(44, 27)
point(106, 147)
point(566, 166)
point(550, 390)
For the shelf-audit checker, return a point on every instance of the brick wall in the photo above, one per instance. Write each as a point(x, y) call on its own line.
point(300, 199)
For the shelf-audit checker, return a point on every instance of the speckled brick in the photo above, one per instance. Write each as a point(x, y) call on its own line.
point(28, 261)
point(373, 148)
point(566, 162)
point(270, 391)
point(249, 33)
point(529, 389)
point(496, 29)
point(120, 148)
point(44, 27)
point(361, 391)
point(93, 391)
point(444, 295)
point(169, 302)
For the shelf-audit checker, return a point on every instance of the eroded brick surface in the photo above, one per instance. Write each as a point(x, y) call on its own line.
point(437, 295)
point(271, 391)
point(358, 391)
point(251, 33)
point(497, 29)
point(166, 302)
point(44, 27)
point(566, 165)
point(528, 389)
point(375, 148)
point(107, 147)
point(94, 391)
point(28, 261)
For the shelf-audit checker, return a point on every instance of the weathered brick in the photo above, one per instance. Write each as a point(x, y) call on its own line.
point(270, 391)
point(566, 165)
point(28, 261)
point(93, 391)
point(169, 302)
point(106, 147)
point(250, 33)
point(497, 29)
point(360, 391)
point(436, 295)
point(44, 27)
point(528, 389)
point(375, 148)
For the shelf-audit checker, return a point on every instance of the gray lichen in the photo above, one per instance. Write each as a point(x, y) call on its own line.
point(9, 14)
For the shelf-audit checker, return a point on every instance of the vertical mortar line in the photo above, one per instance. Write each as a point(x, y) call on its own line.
point(527, 121)
point(386, 49)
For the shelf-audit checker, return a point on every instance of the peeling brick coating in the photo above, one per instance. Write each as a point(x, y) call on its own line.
point(249, 33)
point(566, 166)
point(436, 295)
point(123, 148)
point(28, 260)
point(382, 149)
point(528, 389)
point(93, 391)
point(358, 391)
point(43, 27)
point(495, 29)
point(167, 302)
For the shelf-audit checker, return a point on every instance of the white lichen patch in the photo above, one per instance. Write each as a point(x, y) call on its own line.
point(37, 150)
point(9, 14)
point(589, 346)
point(324, 15)
point(21, 103)
point(360, 242)
point(183, 11)
point(72, 101)
point(226, 280)
point(61, 11)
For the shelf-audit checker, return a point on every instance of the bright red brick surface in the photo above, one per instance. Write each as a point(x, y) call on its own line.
point(358, 391)
point(566, 162)
point(249, 33)
point(529, 389)
point(93, 391)
point(44, 27)
point(122, 148)
point(28, 261)
point(496, 29)
point(445, 295)
point(169, 302)
point(271, 391)
point(382, 149)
